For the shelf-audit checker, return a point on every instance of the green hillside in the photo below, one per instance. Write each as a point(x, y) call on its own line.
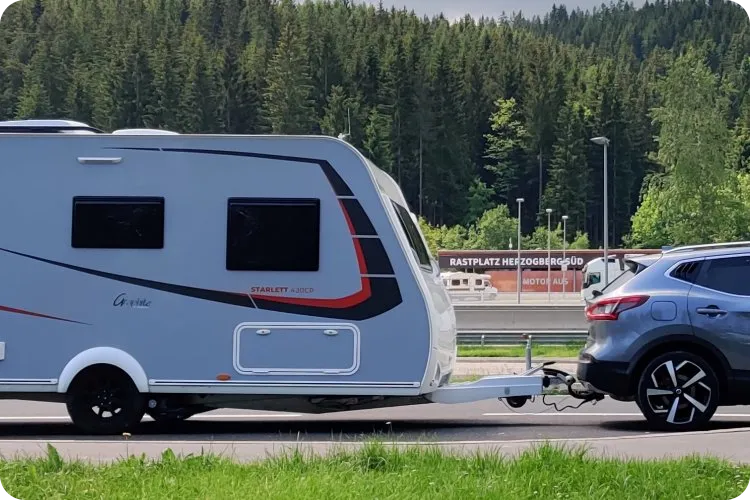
point(476, 102)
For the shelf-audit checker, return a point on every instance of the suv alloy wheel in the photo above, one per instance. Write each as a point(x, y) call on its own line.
point(678, 391)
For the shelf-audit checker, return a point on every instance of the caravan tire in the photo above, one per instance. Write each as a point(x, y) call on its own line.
point(104, 400)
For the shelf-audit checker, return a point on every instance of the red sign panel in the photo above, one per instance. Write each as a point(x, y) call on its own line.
point(536, 281)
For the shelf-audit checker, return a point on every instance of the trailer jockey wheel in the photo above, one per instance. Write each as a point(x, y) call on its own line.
point(516, 401)
point(103, 399)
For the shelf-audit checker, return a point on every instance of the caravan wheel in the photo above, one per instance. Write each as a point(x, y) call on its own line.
point(104, 400)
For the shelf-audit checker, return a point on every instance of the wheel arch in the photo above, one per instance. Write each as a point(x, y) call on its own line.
point(689, 343)
point(103, 356)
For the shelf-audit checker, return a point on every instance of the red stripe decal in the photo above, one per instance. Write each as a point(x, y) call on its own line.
point(35, 315)
point(341, 303)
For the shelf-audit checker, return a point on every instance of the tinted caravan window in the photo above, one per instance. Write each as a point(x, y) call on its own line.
point(412, 234)
point(273, 234)
point(118, 222)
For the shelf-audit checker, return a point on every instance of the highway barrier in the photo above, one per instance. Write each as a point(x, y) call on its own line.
point(507, 324)
point(467, 298)
point(489, 338)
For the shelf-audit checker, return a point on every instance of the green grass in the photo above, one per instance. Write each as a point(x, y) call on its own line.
point(377, 472)
point(570, 350)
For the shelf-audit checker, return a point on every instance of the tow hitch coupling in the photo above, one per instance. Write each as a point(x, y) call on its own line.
point(553, 376)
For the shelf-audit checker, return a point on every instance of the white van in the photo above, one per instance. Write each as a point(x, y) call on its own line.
point(169, 274)
point(593, 274)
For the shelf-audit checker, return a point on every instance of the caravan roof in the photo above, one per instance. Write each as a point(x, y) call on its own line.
point(70, 127)
point(47, 126)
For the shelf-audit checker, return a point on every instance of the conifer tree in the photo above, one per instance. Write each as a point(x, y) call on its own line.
point(288, 104)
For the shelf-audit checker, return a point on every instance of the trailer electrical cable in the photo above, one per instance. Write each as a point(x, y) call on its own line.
point(554, 405)
point(551, 405)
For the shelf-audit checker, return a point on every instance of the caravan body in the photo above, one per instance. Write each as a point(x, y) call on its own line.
point(269, 272)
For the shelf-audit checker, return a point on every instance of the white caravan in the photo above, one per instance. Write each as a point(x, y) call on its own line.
point(469, 285)
point(148, 272)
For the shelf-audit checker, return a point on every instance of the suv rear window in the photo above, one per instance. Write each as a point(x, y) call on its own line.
point(619, 281)
point(687, 271)
point(632, 269)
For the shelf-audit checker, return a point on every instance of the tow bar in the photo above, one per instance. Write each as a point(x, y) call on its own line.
point(550, 375)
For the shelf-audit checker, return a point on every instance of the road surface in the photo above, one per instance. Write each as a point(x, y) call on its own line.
point(607, 428)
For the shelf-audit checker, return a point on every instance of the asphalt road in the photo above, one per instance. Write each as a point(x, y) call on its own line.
point(608, 428)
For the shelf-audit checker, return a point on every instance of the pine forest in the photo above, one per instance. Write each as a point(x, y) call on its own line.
point(467, 115)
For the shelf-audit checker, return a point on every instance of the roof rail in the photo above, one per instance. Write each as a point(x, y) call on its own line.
point(709, 246)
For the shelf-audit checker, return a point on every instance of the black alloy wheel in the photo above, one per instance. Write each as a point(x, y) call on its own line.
point(104, 400)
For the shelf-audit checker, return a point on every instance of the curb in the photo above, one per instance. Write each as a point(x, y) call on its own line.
point(534, 360)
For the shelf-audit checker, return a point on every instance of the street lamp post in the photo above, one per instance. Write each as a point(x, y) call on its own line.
point(549, 255)
point(518, 260)
point(603, 141)
point(565, 242)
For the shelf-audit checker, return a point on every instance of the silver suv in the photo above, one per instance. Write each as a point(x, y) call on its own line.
point(672, 333)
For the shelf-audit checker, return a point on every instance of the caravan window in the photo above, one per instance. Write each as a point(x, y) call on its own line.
point(126, 222)
point(412, 234)
point(273, 234)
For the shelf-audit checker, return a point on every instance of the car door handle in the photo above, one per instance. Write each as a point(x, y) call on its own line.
point(710, 311)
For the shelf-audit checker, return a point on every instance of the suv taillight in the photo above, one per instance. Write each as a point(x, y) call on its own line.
point(610, 309)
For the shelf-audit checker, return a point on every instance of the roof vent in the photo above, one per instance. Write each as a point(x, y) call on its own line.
point(143, 131)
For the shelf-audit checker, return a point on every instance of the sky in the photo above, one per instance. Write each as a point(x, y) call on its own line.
point(454, 9)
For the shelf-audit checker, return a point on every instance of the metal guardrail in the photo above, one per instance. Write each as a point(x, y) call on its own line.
point(507, 337)
point(502, 298)
point(516, 319)
point(505, 322)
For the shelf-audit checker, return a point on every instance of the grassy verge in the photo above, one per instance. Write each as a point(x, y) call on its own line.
point(377, 472)
point(570, 350)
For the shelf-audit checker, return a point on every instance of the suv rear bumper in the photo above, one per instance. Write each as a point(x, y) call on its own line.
point(608, 377)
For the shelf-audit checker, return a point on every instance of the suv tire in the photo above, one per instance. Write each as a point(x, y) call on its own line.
point(678, 391)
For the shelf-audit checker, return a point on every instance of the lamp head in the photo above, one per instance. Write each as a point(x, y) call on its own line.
point(602, 141)
point(564, 217)
point(519, 200)
point(549, 210)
